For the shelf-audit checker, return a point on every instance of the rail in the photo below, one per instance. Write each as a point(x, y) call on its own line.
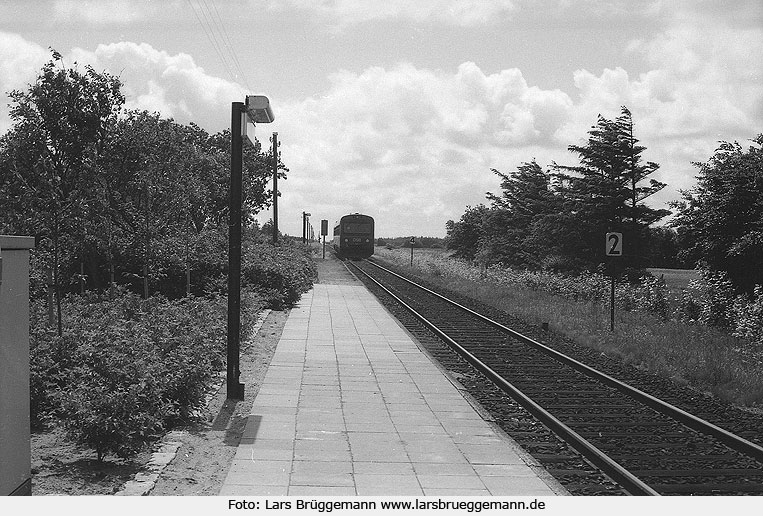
point(609, 466)
point(597, 457)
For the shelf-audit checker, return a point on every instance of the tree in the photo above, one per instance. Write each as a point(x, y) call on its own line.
point(464, 236)
point(664, 249)
point(720, 221)
point(604, 193)
point(511, 225)
point(256, 174)
point(50, 154)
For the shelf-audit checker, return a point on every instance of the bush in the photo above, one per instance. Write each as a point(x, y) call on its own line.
point(653, 297)
point(748, 317)
point(117, 415)
point(709, 300)
point(279, 273)
point(125, 368)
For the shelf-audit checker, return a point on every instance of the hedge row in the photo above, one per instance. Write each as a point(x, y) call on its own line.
point(126, 370)
point(709, 300)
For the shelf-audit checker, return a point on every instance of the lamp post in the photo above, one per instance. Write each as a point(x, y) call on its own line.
point(256, 109)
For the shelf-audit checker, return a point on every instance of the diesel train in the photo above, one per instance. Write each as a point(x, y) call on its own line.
point(354, 236)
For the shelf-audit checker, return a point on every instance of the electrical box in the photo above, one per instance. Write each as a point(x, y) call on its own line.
point(15, 431)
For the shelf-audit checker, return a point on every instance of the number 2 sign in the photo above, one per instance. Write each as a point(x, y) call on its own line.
point(614, 244)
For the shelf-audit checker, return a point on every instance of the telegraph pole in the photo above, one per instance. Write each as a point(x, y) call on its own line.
point(275, 188)
point(305, 216)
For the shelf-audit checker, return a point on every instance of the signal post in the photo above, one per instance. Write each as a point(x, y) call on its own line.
point(613, 247)
point(324, 232)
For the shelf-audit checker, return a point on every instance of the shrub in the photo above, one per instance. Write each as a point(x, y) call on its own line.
point(653, 295)
point(48, 373)
point(280, 274)
point(117, 415)
point(709, 300)
point(125, 368)
point(748, 317)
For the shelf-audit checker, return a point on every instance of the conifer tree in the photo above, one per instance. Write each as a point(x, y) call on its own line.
point(605, 192)
point(510, 232)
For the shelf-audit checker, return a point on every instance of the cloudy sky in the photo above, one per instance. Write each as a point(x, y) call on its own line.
point(401, 108)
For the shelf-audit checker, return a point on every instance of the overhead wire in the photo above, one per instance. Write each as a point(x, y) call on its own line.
point(227, 40)
point(214, 29)
point(216, 34)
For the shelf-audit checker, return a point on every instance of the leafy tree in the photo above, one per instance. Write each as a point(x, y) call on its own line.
point(720, 221)
point(257, 172)
point(605, 192)
point(50, 154)
point(155, 185)
point(464, 236)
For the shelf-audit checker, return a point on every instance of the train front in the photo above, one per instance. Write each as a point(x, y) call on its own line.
point(356, 236)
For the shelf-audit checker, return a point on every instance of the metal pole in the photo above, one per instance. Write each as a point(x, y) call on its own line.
point(275, 188)
point(235, 389)
point(324, 247)
point(411, 254)
point(304, 219)
point(612, 305)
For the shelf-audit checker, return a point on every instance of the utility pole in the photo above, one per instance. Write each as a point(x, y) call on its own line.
point(275, 188)
point(305, 216)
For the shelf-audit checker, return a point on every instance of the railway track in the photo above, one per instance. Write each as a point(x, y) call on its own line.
point(637, 443)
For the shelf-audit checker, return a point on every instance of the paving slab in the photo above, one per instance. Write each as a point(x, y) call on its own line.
point(351, 405)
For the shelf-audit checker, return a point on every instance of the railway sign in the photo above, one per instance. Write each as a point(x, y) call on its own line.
point(613, 245)
point(324, 232)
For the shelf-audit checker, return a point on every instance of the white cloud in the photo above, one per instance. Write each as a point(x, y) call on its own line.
point(154, 80)
point(438, 133)
point(704, 85)
point(20, 61)
point(413, 146)
point(173, 85)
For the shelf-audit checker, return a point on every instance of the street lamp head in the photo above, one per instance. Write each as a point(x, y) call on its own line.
point(258, 109)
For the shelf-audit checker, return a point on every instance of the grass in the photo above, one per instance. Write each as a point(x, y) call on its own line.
point(704, 358)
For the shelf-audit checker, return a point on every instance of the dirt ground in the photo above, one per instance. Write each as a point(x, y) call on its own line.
point(204, 455)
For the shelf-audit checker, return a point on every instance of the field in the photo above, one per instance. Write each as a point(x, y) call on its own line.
point(676, 279)
point(707, 359)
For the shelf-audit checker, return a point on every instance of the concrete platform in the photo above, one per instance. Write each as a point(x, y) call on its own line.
point(351, 406)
